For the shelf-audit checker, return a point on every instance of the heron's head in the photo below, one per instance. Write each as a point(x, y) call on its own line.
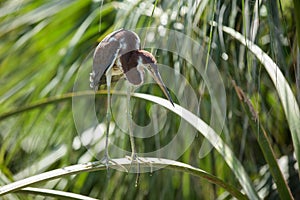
point(148, 61)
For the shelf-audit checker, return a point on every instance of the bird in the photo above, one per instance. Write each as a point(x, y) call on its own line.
point(119, 54)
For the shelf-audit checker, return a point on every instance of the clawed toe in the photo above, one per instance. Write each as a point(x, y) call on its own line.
point(107, 161)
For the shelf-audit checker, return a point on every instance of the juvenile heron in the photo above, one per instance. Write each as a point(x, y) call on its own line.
point(117, 54)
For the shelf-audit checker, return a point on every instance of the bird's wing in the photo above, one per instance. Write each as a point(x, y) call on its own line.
point(105, 56)
point(107, 38)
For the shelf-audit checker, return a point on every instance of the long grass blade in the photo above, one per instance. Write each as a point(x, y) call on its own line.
point(265, 145)
point(288, 100)
point(54, 193)
point(95, 166)
point(228, 155)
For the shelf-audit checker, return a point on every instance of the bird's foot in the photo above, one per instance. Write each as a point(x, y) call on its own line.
point(134, 158)
point(107, 161)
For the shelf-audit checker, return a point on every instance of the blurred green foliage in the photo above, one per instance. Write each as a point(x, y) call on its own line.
point(43, 44)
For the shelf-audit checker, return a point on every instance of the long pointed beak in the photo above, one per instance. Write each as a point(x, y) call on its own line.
point(156, 76)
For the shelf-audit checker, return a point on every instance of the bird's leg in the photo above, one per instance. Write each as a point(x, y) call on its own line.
point(134, 157)
point(106, 158)
point(108, 117)
point(133, 153)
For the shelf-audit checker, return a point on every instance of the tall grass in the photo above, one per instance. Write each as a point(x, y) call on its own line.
point(44, 44)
